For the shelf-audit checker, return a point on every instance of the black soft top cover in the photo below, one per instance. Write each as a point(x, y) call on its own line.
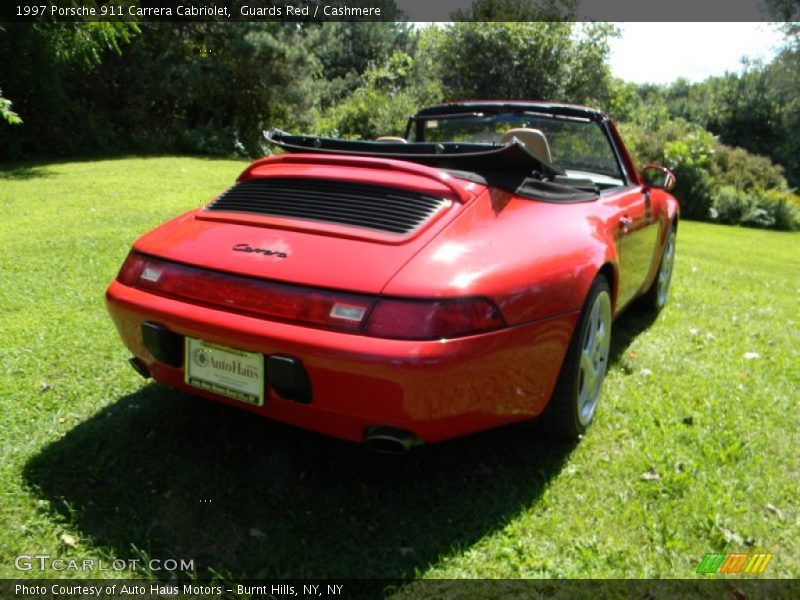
point(512, 166)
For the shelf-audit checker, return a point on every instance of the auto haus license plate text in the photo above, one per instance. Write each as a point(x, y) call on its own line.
point(226, 371)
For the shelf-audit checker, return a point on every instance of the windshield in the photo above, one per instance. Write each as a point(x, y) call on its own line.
point(578, 146)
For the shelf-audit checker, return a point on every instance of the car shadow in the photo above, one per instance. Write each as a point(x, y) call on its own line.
point(633, 322)
point(161, 474)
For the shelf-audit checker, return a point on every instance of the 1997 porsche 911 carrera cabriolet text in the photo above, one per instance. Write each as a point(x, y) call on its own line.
point(409, 290)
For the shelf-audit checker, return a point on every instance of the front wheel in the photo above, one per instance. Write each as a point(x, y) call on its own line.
point(655, 298)
point(577, 392)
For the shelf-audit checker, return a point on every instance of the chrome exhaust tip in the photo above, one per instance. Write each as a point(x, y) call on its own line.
point(390, 440)
point(140, 367)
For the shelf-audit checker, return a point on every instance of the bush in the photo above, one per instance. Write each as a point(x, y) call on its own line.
point(391, 93)
point(746, 171)
point(646, 140)
point(712, 178)
point(784, 207)
point(770, 209)
point(690, 159)
point(544, 59)
point(366, 114)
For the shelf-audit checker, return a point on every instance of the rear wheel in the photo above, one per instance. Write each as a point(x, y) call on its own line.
point(574, 402)
point(656, 297)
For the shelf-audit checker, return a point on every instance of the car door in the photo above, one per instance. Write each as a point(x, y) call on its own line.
point(636, 234)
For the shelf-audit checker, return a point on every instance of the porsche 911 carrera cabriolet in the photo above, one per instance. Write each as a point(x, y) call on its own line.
point(408, 289)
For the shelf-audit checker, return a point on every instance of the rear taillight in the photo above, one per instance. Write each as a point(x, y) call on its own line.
point(131, 269)
point(323, 308)
point(342, 311)
point(433, 320)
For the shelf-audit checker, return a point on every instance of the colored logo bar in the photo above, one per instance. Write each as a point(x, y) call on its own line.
point(735, 562)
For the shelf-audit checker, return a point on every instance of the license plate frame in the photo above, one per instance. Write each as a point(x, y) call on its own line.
point(230, 372)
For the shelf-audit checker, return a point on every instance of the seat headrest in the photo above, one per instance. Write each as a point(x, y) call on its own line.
point(534, 139)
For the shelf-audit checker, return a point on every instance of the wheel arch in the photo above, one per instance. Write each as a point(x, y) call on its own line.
point(609, 271)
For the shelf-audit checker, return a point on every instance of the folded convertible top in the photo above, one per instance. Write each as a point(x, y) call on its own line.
point(511, 167)
point(514, 157)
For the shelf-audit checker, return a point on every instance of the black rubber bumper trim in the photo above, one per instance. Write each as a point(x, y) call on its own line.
point(288, 377)
point(165, 345)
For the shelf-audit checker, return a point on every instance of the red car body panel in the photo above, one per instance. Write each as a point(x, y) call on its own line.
point(321, 254)
point(534, 260)
point(434, 388)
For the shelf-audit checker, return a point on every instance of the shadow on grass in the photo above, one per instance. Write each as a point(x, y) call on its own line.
point(23, 172)
point(175, 476)
point(630, 324)
point(38, 170)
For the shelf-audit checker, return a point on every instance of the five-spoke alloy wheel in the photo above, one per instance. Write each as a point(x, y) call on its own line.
point(574, 402)
point(594, 357)
point(656, 297)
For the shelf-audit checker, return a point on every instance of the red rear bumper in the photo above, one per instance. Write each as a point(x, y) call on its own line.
point(435, 389)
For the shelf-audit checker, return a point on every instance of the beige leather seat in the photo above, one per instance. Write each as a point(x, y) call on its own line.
point(532, 138)
point(391, 138)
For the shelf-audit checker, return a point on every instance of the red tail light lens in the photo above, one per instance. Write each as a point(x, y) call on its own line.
point(131, 269)
point(423, 320)
point(332, 310)
point(355, 313)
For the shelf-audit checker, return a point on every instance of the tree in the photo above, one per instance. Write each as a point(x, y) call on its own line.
point(784, 10)
point(345, 50)
point(518, 10)
point(205, 87)
point(8, 115)
point(209, 87)
point(538, 60)
point(392, 92)
point(783, 82)
point(39, 63)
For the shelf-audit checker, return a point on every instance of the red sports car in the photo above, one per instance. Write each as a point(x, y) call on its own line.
point(408, 290)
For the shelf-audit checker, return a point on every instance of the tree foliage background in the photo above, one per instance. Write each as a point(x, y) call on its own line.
point(86, 89)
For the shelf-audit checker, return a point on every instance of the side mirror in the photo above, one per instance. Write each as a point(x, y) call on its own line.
point(658, 177)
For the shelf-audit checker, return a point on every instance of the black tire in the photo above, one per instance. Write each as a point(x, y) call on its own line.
point(655, 298)
point(567, 416)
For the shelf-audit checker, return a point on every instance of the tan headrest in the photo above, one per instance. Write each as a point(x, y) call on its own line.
point(532, 138)
point(391, 138)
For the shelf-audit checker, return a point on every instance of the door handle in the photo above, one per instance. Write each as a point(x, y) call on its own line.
point(625, 223)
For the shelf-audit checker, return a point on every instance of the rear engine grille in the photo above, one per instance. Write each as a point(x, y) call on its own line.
point(363, 205)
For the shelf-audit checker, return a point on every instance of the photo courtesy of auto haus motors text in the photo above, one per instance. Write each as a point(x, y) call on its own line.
point(143, 591)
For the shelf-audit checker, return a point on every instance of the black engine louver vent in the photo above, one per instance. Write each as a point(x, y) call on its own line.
point(363, 205)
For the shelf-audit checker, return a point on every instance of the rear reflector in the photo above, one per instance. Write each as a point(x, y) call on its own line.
point(348, 313)
point(341, 311)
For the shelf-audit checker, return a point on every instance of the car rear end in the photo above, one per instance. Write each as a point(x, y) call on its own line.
point(276, 298)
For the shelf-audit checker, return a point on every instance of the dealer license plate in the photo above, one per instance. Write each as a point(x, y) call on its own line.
point(226, 371)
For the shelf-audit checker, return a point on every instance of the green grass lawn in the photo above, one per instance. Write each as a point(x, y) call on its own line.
point(695, 448)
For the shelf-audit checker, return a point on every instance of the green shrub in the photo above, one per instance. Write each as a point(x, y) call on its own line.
point(769, 209)
point(690, 159)
point(784, 207)
point(746, 171)
point(392, 92)
point(647, 138)
point(366, 114)
point(712, 178)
